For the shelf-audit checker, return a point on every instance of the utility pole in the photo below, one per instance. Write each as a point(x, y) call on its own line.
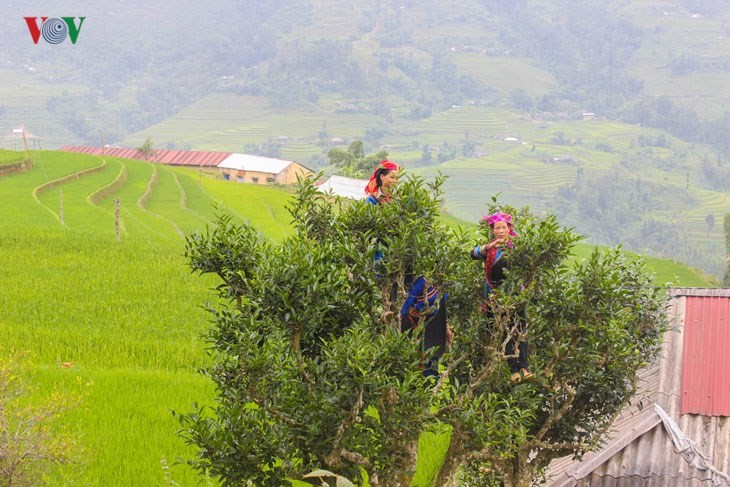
point(60, 208)
point(101, 138)
point(25, 143)
point(116, 217)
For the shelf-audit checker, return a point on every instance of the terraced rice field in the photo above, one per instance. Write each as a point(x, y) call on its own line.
point(117, 323)
point(9, 158)
point(24, 96)
point(300, 151)
point(710, 203)
point(469, 188)
point(681, 32)
point(480, 122)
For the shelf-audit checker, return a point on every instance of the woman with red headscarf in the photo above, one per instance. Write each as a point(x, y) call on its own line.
point(380, 186)
point(379, 190)
point(495, 263)
point(424, 306)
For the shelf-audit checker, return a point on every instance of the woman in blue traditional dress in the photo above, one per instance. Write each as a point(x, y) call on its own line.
point(424, 312)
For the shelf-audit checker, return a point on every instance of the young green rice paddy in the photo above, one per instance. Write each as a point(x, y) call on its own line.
point(117, 322)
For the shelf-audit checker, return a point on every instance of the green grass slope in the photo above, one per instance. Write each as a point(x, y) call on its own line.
point(10, 157)
point(126, 315)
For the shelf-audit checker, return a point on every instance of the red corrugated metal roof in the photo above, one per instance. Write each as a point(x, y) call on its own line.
point(162, 156)
point(706, 357)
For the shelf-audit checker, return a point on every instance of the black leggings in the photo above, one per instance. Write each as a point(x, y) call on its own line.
point(434, 336)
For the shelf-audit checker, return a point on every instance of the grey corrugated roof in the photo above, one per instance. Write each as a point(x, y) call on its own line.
point(700, 291)
point(343, 186)
point(640, 451)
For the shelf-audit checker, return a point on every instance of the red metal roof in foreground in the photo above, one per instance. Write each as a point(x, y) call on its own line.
point(162, 156)
point(706, 357)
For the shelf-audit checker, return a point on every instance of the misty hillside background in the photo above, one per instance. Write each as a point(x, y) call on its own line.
point(496, 94)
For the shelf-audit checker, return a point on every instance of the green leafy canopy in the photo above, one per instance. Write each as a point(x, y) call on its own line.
point(313, 373)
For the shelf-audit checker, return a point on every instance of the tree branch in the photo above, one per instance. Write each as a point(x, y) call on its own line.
point(278, 414)
point(300, 362)
point(482, 377)
point(256, 399)
point(445, 376)
point(477, 382)
point(561, 446)
point(333, 459)
point(555, 416)
point(355, 458)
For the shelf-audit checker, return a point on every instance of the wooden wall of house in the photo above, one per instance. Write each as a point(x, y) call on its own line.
point(287, 176)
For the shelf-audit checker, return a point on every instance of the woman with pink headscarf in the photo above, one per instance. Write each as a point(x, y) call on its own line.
point(495, 263)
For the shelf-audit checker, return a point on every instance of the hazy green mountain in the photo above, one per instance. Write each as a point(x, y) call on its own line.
point(136, 63)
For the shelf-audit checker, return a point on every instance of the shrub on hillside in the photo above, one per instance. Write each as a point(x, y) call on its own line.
point(312, 374)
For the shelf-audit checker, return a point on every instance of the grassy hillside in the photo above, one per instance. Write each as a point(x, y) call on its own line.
point(127, 316)
point(119, 325)
point(120, 322)
point(694, 34)
point(10, 157)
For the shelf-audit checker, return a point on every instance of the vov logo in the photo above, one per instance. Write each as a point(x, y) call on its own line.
point(54, 30)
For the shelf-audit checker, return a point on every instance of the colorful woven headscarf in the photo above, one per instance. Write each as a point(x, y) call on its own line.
point(500, 217)
point(491, 256)
point(385, 165)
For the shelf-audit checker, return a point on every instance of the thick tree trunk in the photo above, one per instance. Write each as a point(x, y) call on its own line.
point(520, 481)
point(452, 462)
point(406, 477)
point(521, 474)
